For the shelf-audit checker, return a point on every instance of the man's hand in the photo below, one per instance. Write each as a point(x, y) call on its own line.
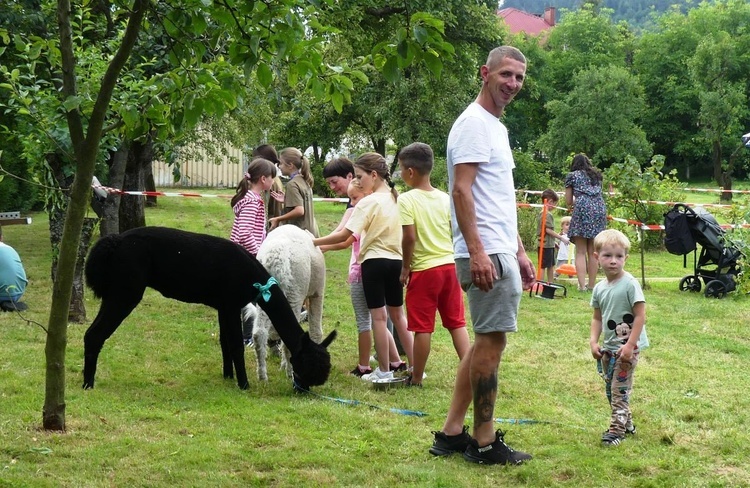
point(528, 273)
point(483, 272)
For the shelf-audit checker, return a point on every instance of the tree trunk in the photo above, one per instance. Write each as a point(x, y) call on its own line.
point(379, 145)
point(86, 145)
point(111, 209)
point(132, 213)
point(149, 180)
point(716, 160)
point(77, 308)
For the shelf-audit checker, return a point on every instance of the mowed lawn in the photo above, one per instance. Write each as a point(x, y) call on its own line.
point(162, 415)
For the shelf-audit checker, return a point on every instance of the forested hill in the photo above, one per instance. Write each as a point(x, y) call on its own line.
point(635, 12)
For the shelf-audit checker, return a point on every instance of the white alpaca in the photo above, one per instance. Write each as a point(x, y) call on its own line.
point(299, 267)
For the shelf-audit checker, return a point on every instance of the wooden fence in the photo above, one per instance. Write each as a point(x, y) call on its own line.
point(199, 171)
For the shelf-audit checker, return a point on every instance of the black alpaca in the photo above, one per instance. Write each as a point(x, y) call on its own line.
point(194, 268)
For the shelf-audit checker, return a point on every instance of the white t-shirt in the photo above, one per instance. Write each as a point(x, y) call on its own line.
point(477, 136)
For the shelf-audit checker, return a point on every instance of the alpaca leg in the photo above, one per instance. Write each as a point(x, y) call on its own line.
point(111, 314)
point(260, 340)
point(315, 318)
point(286, 361)
point(232, 345)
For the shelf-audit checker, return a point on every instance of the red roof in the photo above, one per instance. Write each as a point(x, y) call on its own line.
point(520, 21)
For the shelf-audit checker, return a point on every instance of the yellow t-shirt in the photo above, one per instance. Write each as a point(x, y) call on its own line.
point(376, 220)
point(430, 214)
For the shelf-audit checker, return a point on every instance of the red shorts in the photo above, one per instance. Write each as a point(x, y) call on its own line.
point(432, 290)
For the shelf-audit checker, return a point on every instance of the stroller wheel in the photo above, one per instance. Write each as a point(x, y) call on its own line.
point(715, 288)
point(690, 283)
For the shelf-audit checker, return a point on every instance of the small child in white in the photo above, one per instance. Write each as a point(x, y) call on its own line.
point(564, 249)
point(620, 312)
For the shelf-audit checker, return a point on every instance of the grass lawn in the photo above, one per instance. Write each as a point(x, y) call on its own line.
point(162, 415)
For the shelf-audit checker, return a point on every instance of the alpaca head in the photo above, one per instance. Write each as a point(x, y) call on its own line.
point(311, 362)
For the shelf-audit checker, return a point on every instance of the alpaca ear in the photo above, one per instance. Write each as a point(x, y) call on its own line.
point(327, 341)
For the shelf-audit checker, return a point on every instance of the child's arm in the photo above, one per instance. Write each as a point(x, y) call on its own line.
point(596, 332)
point(551, 232)
point(639, 314)
point(344, 219)
point(337, 247)
point(407, 248)
point(347, 243)
point(333, 238)
point(294, 213)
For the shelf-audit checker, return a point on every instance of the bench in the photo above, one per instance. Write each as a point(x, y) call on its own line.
point(13, 218)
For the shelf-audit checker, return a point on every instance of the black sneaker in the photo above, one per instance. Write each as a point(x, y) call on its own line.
point(496, 453)
point(358, 372)
point(610, 440)
point(444, 445)
point(398, 369)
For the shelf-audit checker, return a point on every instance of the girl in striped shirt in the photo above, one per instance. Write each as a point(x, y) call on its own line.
point(249, 227)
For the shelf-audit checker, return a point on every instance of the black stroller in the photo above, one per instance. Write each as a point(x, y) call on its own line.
point(718, 263)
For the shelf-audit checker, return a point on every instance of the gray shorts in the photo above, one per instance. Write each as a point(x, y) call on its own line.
point(497, 309)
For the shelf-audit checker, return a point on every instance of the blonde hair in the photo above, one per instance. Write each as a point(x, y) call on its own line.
point(611, 237)
point(565, 219)
point(295, 157)
point(354, 189)
point(373, 161)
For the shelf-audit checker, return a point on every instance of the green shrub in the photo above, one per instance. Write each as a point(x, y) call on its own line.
point(636, 186)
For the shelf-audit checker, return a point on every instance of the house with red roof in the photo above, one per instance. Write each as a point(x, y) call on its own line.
point(531, 24)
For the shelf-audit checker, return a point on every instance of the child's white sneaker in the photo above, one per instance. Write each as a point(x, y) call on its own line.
point(378, 375)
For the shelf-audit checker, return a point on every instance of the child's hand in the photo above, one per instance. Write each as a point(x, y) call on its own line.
point(405, 276)
point(278, 196)
point(564, 239)
point(626, 351)
point(596, 351)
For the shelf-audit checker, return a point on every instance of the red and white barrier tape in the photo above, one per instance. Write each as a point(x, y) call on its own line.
point(345, 200)
point(116, 191)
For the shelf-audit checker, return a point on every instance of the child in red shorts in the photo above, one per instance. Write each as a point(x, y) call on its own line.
point(428, 269)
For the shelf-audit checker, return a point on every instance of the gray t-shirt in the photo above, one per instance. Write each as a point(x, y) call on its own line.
point(616, 301)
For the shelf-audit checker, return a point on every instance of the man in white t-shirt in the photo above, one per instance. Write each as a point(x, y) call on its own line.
point(491, 262)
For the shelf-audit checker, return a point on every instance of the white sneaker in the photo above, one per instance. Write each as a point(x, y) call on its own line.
point(378, 375)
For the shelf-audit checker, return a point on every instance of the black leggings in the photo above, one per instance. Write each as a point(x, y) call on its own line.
point(381, 281)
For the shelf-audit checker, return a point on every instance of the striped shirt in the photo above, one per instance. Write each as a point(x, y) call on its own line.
point(249, 227)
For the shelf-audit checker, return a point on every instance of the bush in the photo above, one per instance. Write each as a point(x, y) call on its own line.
point(637, 186)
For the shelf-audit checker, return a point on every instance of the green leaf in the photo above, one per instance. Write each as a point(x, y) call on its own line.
point(390, 70)
point(72, 103)
point(433, 63)
point(420, 34)
point(193, 114)
point(403, 49)
point(359, 75)
point(265, 76)
point(337, 99)
point(198, 24)
point(20, 44)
